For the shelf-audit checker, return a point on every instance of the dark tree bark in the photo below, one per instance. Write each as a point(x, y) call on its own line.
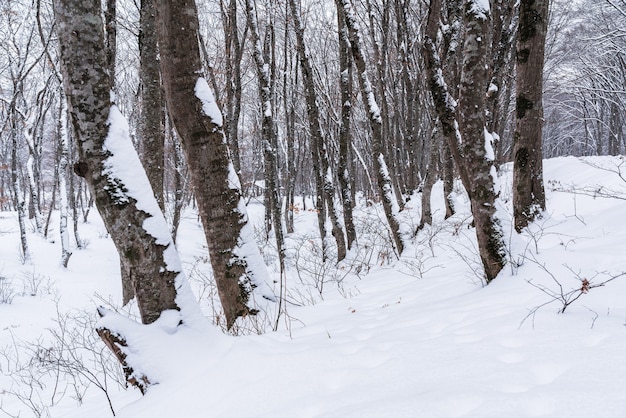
point(151, 126)
point(385, 184)
point(432, 173)
point(447, 163)
point(198, 121)
point(409, 114)
point(290, 75)
point(345, 84)
point(110, 24)
point(475, 145)
point(269, 136)
point(528, 193)
point(318, 143)
point(234, 54)
point(466, 137)
point(504, 27)
point(88, 86)
point(445, 105)
point(179, 183)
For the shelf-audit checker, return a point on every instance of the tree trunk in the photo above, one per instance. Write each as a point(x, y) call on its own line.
point(429, 180)
point(111, 166)
point(289, 103)
point(62, 169)
point(504, 13)
point(152, 132)
point(34, 204)
point(318, 145)
point(385, 185)
point(179, 184)
point(237, 265)
point(110, 24)
point(345, 84)
point(74, 194)
point(20, 203)
point(269, 136)
point(476, 144)
point(234, 54)
point(447, 163)
point(467, 138)
point(528, 193)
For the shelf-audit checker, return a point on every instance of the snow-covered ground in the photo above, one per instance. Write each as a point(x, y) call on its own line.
point(372, 337)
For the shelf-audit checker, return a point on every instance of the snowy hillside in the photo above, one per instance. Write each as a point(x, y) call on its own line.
point(372, 337)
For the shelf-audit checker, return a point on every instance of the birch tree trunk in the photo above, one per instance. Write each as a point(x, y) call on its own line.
point(62, 170)
point(20, 203)
point(34, 203)
point(235, 258)
point(528, 193)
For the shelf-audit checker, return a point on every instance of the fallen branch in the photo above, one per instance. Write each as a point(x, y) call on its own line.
point(116, 343)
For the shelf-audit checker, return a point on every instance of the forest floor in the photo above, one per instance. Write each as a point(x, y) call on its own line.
point(374, 336)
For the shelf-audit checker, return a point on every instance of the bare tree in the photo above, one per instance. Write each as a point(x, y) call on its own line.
point(269, 135)
point(109, 163)
point(385, 184)
point(467, 137)
point(233, 56)
point(63, 173)
point(323, 171)
point(345, 131)
point(529, 197)
point(234, 256)
point(152, 129)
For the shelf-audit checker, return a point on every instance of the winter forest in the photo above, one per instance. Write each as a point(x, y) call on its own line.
point(288, 208)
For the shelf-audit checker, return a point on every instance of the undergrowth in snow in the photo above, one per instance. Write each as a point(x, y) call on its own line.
point(376, 335)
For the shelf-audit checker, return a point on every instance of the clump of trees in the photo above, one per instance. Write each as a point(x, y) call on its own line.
point(225, 101)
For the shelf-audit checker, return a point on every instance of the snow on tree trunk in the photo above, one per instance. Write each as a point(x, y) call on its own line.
point(504, 18)
point(476, 141)
point(318, 146)
point(233, 57)
point(468, 140)
point(447, 163)
point(111, 167)
point(29, 129)
point(179, 184)
point(390, 202)
point(237, 264)
point(345, 84)
point(429, 180)
point(20, 203)
point(269, 137)
point(528, 192)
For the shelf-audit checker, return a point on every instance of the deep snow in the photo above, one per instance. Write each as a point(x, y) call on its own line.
point(415, 337)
